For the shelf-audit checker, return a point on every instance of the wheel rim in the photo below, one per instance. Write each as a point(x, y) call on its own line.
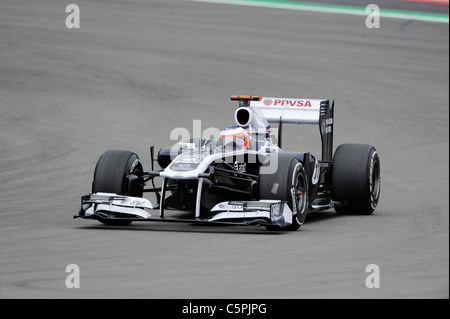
point(300, 195)
point(375, 180)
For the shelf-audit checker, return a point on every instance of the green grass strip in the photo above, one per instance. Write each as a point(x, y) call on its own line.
point(337, 8)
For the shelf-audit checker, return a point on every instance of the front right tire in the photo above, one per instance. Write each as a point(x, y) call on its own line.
point(289, 184)
point(110, 176)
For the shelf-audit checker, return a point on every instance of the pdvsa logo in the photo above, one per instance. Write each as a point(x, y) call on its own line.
point(287, 103)
point(293, 103)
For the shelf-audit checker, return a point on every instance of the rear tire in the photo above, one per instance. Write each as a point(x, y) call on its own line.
point(356, 179)
point(110, 176)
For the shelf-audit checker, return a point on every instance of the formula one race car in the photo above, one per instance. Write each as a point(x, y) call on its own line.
point(242, 177)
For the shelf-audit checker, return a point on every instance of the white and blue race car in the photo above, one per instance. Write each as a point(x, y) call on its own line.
point(242, 177)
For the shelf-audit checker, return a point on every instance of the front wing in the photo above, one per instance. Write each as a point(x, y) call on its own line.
point(108, 206)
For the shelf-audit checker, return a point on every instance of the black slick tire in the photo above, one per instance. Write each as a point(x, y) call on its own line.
point(290, 184)
point(110, 176)
point(356, 179)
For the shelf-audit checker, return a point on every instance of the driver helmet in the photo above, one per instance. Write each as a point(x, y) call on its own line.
point(233, 138)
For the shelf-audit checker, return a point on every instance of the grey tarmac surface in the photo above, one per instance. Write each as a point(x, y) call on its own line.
point(137, 69)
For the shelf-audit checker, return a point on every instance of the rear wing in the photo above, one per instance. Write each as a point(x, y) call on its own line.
point(295, 111)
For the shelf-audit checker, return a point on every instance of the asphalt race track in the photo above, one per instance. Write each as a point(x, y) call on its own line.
point(137, 69)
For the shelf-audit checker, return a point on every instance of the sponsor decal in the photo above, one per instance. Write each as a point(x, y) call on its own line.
point(287, 102)
point(133, 166)
point(237, 207)
point(132, 202)
point(329, 123)
point(180, 167)
point(316, 173)
point(297, 103)
point(326, 126)
point(240, 167)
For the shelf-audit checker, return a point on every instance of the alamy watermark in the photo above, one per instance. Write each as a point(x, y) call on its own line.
point(373, 279)
point(373, 17)
point(73, 19)
point(73, 279)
